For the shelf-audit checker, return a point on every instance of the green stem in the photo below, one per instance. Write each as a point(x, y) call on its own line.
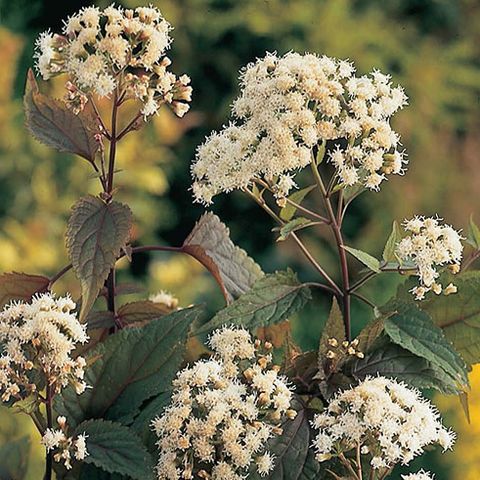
point(341, 251)
point(299, 243)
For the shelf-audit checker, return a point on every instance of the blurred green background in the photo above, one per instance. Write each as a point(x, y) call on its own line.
point(431, 47)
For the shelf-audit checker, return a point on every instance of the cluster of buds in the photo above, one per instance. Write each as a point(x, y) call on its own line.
point(66, 448)
point(343, 349)
point(223, 411)
point(115, 51)
point(74, 99)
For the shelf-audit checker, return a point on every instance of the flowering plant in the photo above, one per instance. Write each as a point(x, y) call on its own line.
point(106, 382)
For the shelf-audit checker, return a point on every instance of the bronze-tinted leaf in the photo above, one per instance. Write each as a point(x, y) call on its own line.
point(209, 242)
point(52, 124)
point(20, 286)
point(96, 233)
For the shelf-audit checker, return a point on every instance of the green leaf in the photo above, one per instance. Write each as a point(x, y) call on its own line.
point(21, 286)
point(288, 211)
point(371, 262)
point(272, 299)
point(390, 246)
point(294, 455)
point(292, 226)
point(393, 361)
point(459, 315)
point(209, 242)
point(14, 455)
point(51, 123)
point(96, 233)
point(473, 237)
point(142, 423)
point(413, 329)
point(116, 449)
point(129, 367)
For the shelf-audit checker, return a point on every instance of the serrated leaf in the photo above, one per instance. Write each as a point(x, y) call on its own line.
point(334, 329)
point(369, 334)
point(21, 286)
point(288, 211)
point(371, 262)
point(459, 315)
point(51, 123)
point(14, 455)
point(294, 455)
point(393, 361)
point(116, 449)
point(413, 329)
point(272, 299)
point(292, 226)
point(209, 242)
point(141, 311)
point(389, 250)
point(100, 319)
point(131, 366)
point(473, 237)
point(96, 233)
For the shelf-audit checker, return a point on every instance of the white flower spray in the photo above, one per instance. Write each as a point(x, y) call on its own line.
point(382, 419)
point(38, 338)
point(101, 50)
point(290, 104)
point(428, 246)
point(223, 411)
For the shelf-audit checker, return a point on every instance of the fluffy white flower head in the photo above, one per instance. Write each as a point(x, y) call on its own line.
point(115, 50)
point(40, 336)
point(223, 411)
point(288, 106)
point(386, 420)
point(430, 245)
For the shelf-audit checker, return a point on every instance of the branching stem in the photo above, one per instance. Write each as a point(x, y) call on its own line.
point(334, 225)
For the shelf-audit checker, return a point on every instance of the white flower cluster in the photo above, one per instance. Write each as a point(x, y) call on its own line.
point(65, 447)
point(290, 104)
point(421, 475)
point(223, 411)
point(38, 338)
point(429, 245)
point(115, 48)
point(384, 419)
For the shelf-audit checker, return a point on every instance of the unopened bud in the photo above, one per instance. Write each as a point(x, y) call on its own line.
point(437, 288)
point(291, 414)
point(333, 342)
point(330, 354)
point(360, 355)
point(449, 289)
point(248, 374)
point(268, 345)
point(455, 268)
point(263, 362)
point(62, 421)
point(264, 399)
